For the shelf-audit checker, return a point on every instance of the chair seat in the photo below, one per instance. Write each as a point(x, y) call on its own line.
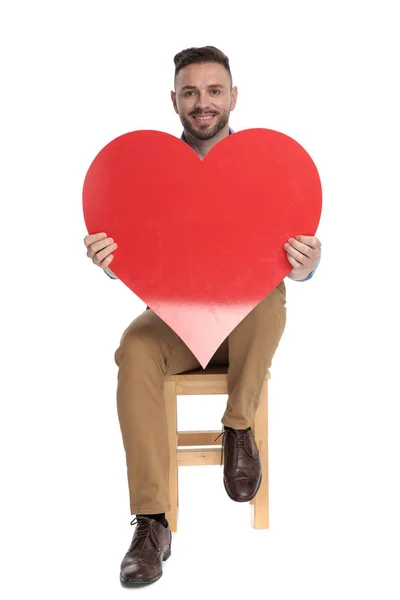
point(211, 380)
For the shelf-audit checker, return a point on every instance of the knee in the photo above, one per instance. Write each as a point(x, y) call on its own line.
point(277, 297)
point(139, 343)
point(274, 304)
point(281, 287)
point(270, 314)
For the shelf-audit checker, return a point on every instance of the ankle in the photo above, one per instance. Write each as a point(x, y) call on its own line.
point(160, 517)
point(233, 429)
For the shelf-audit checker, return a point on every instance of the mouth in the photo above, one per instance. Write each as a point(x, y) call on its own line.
point(204, 119)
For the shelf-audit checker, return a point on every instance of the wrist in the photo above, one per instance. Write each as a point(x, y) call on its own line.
point(299, 274)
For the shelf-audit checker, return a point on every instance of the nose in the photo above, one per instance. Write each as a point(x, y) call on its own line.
point(202, 101)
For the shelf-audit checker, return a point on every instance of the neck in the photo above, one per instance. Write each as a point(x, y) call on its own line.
point(201, 147)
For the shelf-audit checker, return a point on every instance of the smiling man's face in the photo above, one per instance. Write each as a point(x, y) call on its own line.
point(203, 99)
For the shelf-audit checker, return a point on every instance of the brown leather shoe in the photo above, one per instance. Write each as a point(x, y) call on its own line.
point(242, 465)
point(151, 544)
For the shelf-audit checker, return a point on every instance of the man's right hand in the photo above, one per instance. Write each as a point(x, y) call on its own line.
point(99, 249)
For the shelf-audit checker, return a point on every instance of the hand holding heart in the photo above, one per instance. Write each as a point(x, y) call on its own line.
point(99, 249)
point(303, 252)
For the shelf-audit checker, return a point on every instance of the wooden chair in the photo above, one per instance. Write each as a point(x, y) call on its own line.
point(212, 380)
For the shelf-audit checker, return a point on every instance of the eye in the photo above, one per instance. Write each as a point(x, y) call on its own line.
point(216, 92)
point(189, 92)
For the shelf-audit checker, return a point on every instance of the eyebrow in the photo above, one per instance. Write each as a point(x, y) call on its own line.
point(193, 87)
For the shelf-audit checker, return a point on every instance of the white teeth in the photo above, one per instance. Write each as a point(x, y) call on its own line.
point(204, 118)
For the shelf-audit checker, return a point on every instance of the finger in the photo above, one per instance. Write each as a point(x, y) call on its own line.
point(309, 240)
point(97, 246)
point(104, 264)
point(298, 256)
point(303, 248)
point(293, 262)
point(100, 256)
point(93, 237)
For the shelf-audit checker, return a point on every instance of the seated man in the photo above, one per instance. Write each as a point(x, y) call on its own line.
point(149, 349)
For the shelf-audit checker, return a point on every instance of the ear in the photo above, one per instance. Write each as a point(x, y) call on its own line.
point(173, 98)
point(234, 94)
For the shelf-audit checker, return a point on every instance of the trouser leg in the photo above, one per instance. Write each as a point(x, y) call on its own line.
point(252, 345)
point(149, 349)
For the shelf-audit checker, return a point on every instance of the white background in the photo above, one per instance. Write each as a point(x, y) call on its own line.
point(75, 75)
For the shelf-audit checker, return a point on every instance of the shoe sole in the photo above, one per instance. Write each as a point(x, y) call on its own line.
point(247, 499)
point(132, 582)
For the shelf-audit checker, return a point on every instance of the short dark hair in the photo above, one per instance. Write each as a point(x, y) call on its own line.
point(200, 55)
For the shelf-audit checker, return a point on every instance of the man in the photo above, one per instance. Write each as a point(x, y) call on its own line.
point(149, 349)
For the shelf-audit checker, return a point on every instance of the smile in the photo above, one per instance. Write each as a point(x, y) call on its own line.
point(204, 118)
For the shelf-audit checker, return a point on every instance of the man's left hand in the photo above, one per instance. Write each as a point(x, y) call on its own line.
point(303, 252)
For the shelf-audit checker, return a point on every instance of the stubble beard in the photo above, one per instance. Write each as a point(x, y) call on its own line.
point(205, 134)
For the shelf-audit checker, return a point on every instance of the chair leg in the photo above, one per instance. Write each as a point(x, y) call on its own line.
point(171, 406)
point(261, 500)
point(177, 486)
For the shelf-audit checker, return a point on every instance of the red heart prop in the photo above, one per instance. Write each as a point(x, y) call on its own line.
point(201, 241)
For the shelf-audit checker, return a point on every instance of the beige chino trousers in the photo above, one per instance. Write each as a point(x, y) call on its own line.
point(149, 349)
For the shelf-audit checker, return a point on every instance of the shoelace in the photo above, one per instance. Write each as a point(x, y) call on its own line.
point(239, 439)
point(145, 529)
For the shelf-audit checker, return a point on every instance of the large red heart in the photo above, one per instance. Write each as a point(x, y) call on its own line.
point(201, 241)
